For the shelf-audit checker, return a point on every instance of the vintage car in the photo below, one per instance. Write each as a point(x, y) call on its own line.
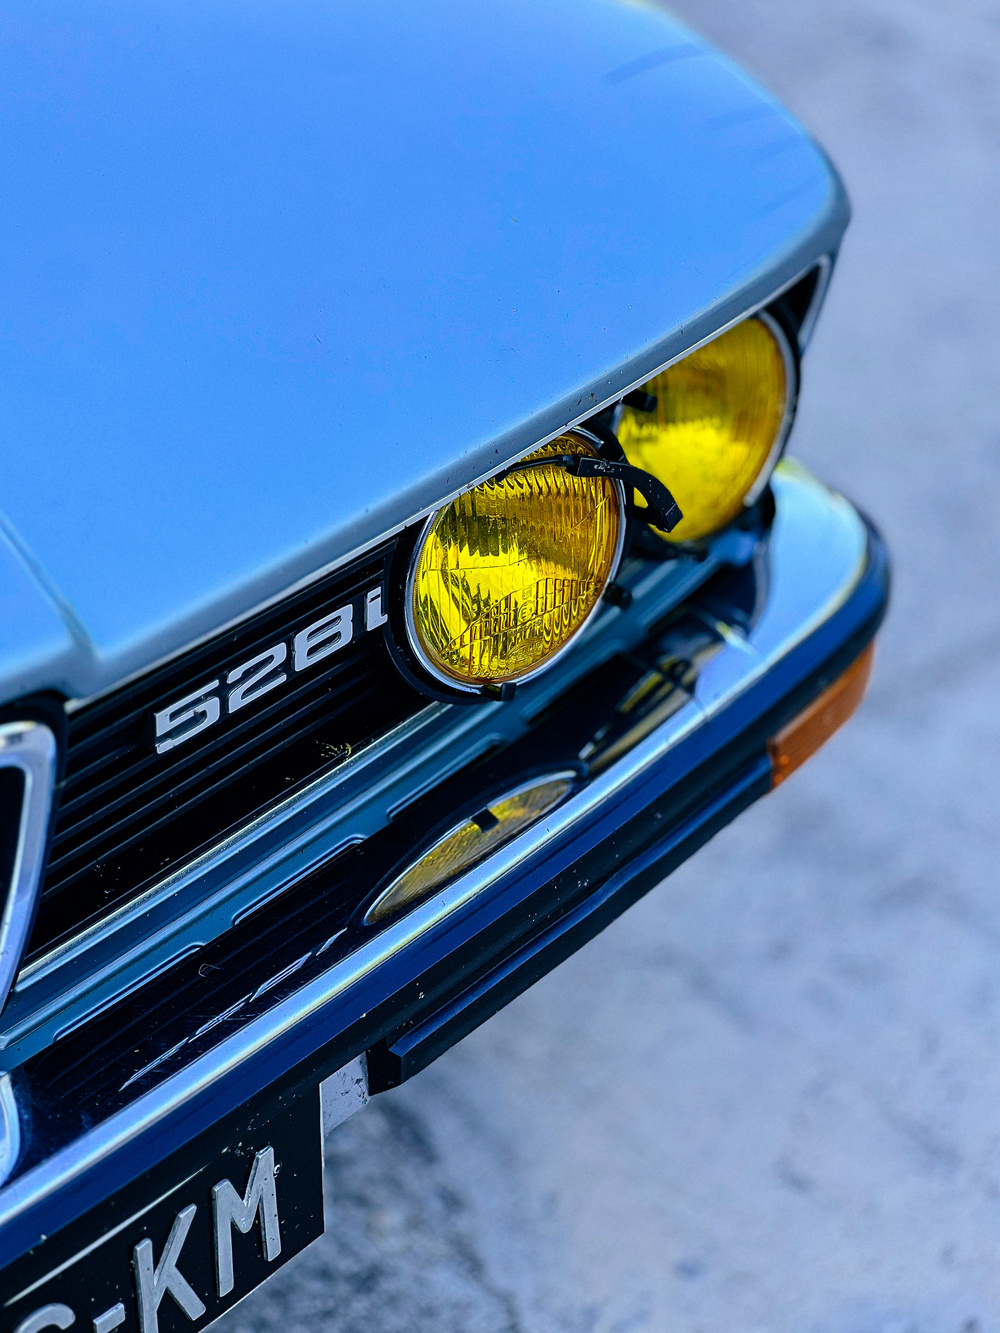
point(400, 572)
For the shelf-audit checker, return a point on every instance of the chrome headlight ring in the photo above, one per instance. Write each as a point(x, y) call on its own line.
point(449, 688)
point(788, 347)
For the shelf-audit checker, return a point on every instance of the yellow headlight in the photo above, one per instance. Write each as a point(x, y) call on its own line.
point(510, 570)
point(471, 841)
point(719, 421)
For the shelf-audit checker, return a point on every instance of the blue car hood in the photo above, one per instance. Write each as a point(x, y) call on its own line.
point(277, 275)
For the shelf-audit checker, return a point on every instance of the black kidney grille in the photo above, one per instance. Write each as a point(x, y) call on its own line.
point(127, 814)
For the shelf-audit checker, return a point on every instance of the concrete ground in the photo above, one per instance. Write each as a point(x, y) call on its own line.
point(768, 1098)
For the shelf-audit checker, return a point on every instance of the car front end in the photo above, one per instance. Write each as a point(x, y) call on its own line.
point(404, 573)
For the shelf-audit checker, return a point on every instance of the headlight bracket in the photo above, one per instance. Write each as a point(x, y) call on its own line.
point(662, 509)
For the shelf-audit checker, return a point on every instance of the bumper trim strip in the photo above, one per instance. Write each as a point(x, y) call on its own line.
point(842, 549)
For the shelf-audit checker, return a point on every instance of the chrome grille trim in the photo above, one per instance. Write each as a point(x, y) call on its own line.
point(30, 748)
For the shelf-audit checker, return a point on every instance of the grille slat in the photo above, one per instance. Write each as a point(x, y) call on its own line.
point(128, 814)
point(253, 731)
point(85, 776)
point(206, 775)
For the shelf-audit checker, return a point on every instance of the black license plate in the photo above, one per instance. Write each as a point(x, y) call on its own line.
point(173, 1251)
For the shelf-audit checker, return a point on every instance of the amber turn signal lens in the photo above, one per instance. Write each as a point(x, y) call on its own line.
point(470, 842)
point(802, 737)
point(507, 573)
point(716, 424)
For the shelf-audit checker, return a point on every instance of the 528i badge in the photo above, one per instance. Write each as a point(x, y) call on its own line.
point(249, 681)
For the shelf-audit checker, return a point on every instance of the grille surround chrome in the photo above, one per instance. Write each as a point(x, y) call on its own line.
point(127, 815)
point(30, 748)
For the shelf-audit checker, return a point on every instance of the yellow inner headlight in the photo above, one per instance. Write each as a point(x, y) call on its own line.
point(510, 570)
point(470, 842)
point(716, 422)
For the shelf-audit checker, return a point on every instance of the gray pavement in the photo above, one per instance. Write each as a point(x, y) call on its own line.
point(768, 1098)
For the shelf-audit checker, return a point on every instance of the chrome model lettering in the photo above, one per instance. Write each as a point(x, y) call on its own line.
point(152, 1283)
point(374, 615)
point(256, 677)
point(229, 1210)
point(323, 637)
point(186, 718)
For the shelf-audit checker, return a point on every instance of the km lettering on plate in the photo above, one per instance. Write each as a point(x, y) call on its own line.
point(177, 1261)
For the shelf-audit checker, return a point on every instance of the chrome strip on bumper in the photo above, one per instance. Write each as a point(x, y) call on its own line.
point(818, 552)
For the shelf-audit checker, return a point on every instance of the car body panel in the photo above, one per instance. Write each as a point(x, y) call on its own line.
point(277, 277)
point(37, 647)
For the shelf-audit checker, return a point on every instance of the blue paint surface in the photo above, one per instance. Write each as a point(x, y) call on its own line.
point(267, 270)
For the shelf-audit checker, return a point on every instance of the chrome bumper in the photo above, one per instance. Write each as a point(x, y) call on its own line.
point(410, 990)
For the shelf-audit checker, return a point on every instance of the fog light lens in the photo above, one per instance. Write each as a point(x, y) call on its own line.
point(718, 424)
point(508, 573)
point(470, 842)
point(802, 737)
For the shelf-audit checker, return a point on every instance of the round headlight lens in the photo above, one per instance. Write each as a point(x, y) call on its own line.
point(470, 842)
point(719, 422)
point(509, 571)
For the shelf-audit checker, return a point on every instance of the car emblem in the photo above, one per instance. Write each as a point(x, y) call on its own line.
point(246, 683)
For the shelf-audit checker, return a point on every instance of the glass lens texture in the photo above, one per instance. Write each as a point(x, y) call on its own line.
point(717, 416)
point(511, 569)
point(469, 843)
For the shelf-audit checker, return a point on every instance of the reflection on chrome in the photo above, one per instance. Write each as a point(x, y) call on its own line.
point(818, 554)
